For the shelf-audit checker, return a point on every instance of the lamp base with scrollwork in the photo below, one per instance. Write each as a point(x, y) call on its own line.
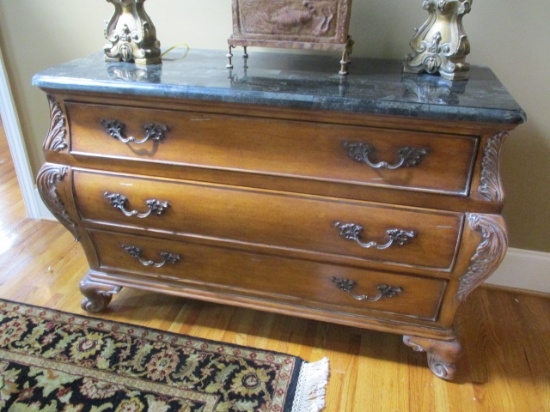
point(131, 34)
point(440, 46)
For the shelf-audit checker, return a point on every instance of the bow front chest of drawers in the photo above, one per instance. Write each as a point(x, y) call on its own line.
point(372, 200)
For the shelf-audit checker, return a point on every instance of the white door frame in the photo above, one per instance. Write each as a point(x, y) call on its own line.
point(12, 127)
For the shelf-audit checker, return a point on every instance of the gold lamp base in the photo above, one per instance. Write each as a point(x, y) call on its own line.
point(440, 46)
point(131, 34)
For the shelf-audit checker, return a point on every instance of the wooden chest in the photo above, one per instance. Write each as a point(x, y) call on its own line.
point(372, 201)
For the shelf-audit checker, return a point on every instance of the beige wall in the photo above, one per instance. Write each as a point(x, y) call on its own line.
point(509, 36)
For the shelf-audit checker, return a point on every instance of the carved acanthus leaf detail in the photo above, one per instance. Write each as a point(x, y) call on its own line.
point(490, 187)
point(56, 140)
point(48, 178)
point(489, 253)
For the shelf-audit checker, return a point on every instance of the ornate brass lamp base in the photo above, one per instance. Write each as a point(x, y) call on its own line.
point(131, 34)
point(441, 45)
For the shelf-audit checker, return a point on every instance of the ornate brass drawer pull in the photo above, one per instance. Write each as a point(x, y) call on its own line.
point(136, 253)
point(153, 132)
point(408, 156)
point(351, 231)
point(119, 202)
point(384, 291)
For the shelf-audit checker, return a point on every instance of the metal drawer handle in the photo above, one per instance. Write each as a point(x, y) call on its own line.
point(119, 202)
point(153, 132)
point(384, 291)
point(137, 253)
point(351, 231)
point(408, 156)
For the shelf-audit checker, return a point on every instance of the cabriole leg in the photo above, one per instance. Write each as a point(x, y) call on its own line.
point(442, 355)
point(97, 295)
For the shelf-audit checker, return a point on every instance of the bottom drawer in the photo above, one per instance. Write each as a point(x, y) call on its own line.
point(297, 282)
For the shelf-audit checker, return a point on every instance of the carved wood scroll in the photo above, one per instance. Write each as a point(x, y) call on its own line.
point(442, 355)
point(49, 177)
point(56, 140)
point(490, 188)
point(97, 294)
point(489, 253)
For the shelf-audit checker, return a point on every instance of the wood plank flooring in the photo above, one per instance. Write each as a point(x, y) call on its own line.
point(506, 335)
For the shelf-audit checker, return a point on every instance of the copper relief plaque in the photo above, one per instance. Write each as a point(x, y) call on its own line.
point(293, 24)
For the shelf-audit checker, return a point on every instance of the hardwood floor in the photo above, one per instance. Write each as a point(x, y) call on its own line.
point(506, 335)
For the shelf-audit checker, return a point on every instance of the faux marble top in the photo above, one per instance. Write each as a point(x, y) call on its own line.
point(295, 81)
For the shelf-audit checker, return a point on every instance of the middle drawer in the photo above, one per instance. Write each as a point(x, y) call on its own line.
point(276, 220)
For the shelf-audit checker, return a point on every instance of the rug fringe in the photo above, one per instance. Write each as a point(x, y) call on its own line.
point(311, 387)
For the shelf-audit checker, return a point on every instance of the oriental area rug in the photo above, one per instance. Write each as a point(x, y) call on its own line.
point(52, 361)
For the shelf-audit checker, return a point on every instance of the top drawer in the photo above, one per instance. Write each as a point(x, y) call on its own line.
point(399, 159)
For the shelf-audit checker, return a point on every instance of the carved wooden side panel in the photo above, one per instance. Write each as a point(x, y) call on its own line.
point(57, 136)
point(489, 253)
point(49, 178)
point(490, 187)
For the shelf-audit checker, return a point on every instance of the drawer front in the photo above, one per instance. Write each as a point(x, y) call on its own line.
point(353, 230)
point(399, 159)
point(301, 283)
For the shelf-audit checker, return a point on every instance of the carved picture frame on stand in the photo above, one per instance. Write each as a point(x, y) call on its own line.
point(292, 24)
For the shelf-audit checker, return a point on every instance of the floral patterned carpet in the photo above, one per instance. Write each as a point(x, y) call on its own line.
point(55, 361)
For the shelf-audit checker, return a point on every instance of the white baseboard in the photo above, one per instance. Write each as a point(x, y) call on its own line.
point(523, 269)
